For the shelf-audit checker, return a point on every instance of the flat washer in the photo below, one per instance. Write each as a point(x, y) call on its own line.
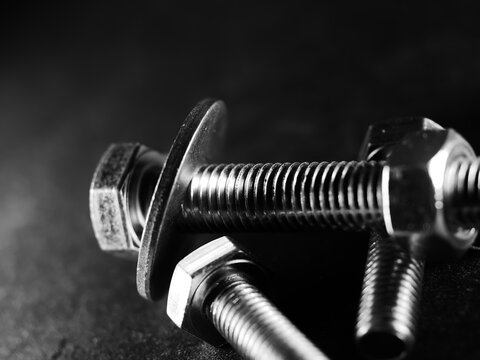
point(198, 143)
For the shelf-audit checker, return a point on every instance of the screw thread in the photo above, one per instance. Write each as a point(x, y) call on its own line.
point(390, 299)
point(464, 189)
point(255, 328)
point(288, 196)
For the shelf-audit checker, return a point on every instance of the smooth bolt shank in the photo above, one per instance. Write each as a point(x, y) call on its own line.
point(254, 327)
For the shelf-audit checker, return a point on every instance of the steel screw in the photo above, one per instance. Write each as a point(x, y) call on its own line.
point(389, 304)
point(192, 195)
point(213, 292)
point(392, 284)
point(304, 196)
point(308, 196)
point(298, 196)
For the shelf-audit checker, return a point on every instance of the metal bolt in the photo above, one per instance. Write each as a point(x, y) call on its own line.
point(214, 295)
point(392, 284)
point(271, 196)
point(389, 304)
point(192, 195)
point(299, 196)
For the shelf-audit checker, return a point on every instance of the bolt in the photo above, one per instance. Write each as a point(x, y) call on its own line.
point(392, 284)
point(411, 193)
point(389, 304)
point(214, 296)
point(299, 196)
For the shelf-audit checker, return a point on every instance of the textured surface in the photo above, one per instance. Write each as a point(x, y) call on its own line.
point(254, 327)
point(301, 84)
point(334, 195)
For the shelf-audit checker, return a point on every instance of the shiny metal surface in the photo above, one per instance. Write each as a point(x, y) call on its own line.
point(392, 285)
point(111, 206)
point(192, 195)
point(213, 293)
point(463, 178)
point(381, 137)
point(298, 196)
point(196, 144)
point(389, 305)
point(416, 183)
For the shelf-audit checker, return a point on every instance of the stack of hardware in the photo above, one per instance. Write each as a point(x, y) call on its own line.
point(415, 187)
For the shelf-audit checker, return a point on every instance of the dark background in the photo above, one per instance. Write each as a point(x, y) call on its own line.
point(302, 82)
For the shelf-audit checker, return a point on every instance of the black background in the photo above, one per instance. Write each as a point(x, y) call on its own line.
point(302, 82)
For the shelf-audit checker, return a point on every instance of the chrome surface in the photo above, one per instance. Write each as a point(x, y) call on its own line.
point(197, 143)
point(298, 196)
point(392, 284)
point(416, 192)
point(390, 299)
point(213, 292)
point(190, 194)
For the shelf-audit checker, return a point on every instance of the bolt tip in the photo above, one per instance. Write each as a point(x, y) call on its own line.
point(378, 345)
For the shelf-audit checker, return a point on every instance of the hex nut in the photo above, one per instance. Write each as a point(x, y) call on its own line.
point(383, 136)
point(414, 182)
point(117, 218)
point(194, 280)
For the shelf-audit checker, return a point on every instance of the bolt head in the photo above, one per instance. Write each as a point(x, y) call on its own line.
point(116, 196)
point(416, 204)
point(194, 280)
point(382, 136)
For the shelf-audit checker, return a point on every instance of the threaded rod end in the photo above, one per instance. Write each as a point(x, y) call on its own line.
point(464, 189)
point(390, 299)
point(288, 196)
point(255, 328)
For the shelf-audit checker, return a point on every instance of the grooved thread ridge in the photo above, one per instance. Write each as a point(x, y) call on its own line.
point(288, 196)
point(255, 328)
point(464, 190)
point(391, 291)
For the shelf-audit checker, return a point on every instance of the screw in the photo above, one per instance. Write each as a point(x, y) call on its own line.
point(138, 205)
point(389, 304)
point(193, 195)
point(298, 196)
point(392, 284)
point(213, 295)
point(465, 188)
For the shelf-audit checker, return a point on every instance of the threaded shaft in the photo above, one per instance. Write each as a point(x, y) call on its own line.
point(255, 328)
point(345, 195)
point(390, 299)
point(464, 189)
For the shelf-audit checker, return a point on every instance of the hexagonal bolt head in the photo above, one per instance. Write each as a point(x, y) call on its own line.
point(195, 277)
point(121, 183)
point(383, 136)
point(415, 184)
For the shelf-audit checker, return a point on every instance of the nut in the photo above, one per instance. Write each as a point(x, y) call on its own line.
point(414, 182)
point(194, 281)
point(381, 137)
point(116, 220)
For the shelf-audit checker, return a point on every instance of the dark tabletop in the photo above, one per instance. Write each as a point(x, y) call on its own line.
point(301, 81)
